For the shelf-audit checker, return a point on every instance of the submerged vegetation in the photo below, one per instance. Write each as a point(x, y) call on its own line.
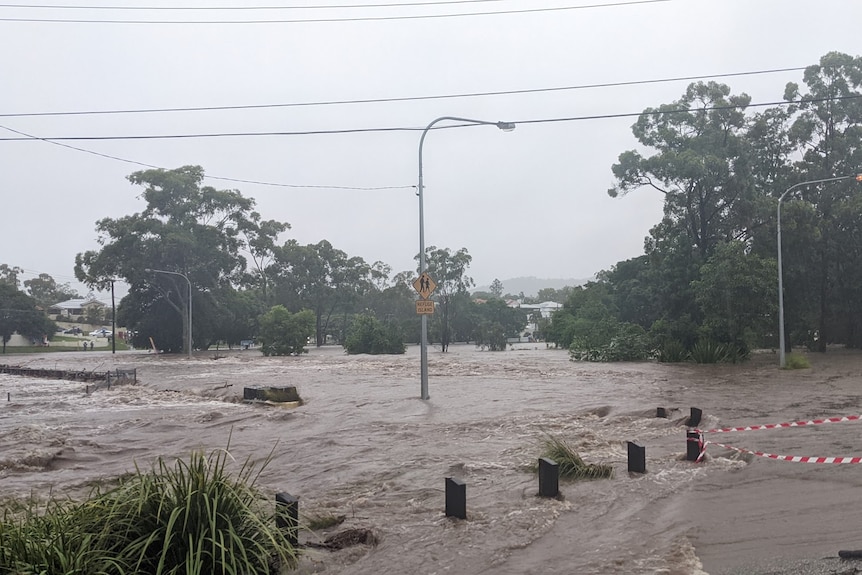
point(571, 464)
point(797, 361)
point(191, 518)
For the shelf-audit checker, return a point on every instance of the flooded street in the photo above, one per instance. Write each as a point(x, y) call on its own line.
point(365, 446)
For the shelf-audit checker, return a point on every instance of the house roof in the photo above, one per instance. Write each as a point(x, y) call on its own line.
point(77, 303)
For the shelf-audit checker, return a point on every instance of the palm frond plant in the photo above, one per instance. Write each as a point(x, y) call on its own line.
point(570, 463)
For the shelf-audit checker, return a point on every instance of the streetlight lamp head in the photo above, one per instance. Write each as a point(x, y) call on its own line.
point(506, 126)
point(148, 270)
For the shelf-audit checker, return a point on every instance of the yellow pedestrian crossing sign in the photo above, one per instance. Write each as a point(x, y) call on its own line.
point(424, 285)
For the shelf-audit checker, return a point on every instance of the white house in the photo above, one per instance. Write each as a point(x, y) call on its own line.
point(546, 309)
point(74, 308)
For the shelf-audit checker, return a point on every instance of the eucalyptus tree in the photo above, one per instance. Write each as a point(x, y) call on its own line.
point(495, 322)
point(553, 294)
point(9, 275)
point(185, 228)
point(19, 313)
point(449, 271)
point(827, 131)
point(320, 278)
point(699, 163)
point(496, 288)
point(737, 294)
point(47, 292)
point(391, 301)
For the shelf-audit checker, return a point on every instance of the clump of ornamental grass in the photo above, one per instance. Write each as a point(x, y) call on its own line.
point(673, 351)
point(571, 465)
point(190, 517)
point(708, 351)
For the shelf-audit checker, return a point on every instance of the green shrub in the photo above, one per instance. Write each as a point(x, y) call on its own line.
point(708, 351)
point(611, 341)
point(491, 335)
point(191, 518)
point(673, 352)
point(571, 464)
point(368, 335)
point(796, 361)
point(284, 333)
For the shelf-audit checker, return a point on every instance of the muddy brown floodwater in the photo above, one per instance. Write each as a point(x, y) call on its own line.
point(365, 446)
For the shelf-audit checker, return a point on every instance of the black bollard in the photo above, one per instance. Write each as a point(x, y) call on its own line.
point(637, 458)
point(661, 412)
point(694, 419)
point(456, 498)
point(287, 516)
point(692, 445)
point(549, 477)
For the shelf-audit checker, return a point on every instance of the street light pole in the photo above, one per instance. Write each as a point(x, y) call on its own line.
point(423, 344)
point(189, 343)
point(782, 360)
point(113, 319)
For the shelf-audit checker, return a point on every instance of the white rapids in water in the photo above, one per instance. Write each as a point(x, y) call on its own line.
point(365, 446)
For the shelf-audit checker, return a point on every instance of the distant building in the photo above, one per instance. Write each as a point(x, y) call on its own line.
point(74, 308)
point(545, 309)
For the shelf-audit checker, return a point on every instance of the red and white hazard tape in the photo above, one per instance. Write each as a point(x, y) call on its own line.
point(793, 458)
point(781, 425)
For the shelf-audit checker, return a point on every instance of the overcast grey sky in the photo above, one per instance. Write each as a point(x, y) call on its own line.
point(532, 202)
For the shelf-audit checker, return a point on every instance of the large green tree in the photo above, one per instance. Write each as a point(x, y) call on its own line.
point(186, 228)
point(47, 292)
point(392, 301)
point(19, 313)
point(699, 162)
point(9, 275)
point(449, 271)
point(826, 129)
point(285, 333)
point(321, 278)
point(495, 322)
point(737, 295)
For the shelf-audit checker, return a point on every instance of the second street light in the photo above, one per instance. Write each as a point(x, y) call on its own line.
point(506, 127)
point(782, 360)
point(189, 340)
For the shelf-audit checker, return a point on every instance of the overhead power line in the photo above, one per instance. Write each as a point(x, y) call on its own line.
point(344, 19)
point(30, 137)
point(248, 8)
point(405, 98)
point(55, 139)
point(26, 136)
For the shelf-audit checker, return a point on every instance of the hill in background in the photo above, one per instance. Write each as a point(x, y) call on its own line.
point(531, 285)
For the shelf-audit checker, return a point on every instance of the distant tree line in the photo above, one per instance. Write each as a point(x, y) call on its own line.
point(706, 283)
point(246, 284)
point(22, 312)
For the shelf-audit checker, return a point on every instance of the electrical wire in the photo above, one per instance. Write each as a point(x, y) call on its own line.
point(652, 112)
point(345, 19)
point(26, 136)
point(406, 98)
point(30, 137)
point(248, 8)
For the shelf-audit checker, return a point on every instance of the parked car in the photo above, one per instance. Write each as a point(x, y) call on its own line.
point(74, 331)
point(102, 332)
